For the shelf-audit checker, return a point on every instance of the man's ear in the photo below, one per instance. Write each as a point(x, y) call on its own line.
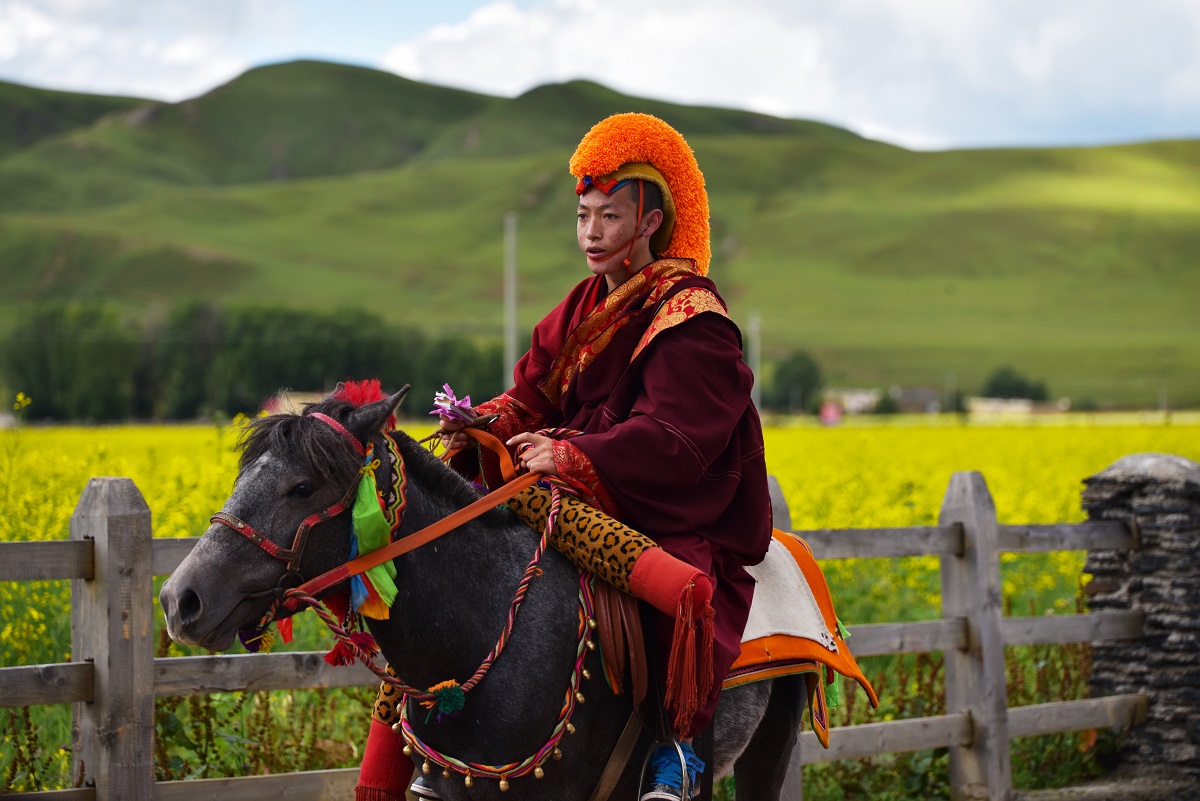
point(370, 419)
point(651, 222)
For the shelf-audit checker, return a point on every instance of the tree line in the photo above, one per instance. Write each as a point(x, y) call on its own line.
point(85, 361)
point(88, 362)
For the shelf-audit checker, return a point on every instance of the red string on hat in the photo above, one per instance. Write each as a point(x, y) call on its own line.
point(638, 222)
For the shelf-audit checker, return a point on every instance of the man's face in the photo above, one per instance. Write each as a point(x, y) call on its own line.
point(605, 226)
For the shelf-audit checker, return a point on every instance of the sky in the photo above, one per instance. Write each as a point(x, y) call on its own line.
point(924, 74)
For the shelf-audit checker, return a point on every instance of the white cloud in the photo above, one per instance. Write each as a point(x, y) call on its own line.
point(919, 72)
point(925, 73)
point(166, 49)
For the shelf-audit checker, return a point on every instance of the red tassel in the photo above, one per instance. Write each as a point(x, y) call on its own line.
point(340, 655)
point(360, 393)
point(284, 627)
point(681, 668)
point(365, 641)
point(704, 679)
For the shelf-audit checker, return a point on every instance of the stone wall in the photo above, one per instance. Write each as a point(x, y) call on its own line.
point(1159, 495)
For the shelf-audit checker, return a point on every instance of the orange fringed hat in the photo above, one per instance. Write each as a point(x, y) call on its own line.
point(629, 143)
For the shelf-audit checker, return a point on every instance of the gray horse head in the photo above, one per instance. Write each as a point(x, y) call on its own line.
point(292, 467)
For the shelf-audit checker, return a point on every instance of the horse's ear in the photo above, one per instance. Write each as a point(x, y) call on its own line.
point(367, 420)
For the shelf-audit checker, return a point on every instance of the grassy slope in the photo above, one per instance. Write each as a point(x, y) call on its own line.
point(1073, 265)
point(283, 122)
point(894, 267)
point(28, 115)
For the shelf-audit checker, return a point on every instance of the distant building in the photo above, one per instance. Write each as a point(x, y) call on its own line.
point(979, 408)
point(854, 401)
point(910, 400)
point(1003, 408)
point(917, 400)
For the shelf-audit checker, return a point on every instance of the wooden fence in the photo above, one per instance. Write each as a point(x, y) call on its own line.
point(113, 677)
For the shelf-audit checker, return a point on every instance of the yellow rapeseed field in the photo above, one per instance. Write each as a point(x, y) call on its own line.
point(862, 474)
point(896, 475)
point(856, 475)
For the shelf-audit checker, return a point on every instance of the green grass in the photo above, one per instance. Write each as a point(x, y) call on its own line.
point(1075, 266)
point(29, 115)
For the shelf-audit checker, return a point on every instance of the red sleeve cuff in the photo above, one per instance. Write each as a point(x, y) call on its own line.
point(575, 468)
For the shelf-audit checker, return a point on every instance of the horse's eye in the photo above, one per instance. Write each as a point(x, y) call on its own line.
point(302, 490)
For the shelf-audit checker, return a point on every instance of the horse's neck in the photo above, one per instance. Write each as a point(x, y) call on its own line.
point(453, 593)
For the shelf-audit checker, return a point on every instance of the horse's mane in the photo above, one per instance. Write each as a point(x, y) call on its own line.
point(439, 479)
point(325, 451)
point(332, 458)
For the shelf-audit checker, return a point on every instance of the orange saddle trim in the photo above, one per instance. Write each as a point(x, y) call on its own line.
point(784, 655)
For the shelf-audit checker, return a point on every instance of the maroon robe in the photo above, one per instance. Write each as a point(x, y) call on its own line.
point(652, 377)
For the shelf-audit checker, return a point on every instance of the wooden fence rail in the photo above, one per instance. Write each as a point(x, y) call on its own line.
point(113, 679)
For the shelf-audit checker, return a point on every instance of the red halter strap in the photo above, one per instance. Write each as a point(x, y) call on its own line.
point(291, 556)
point(341, 429)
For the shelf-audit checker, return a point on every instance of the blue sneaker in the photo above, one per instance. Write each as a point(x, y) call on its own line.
point(421, 789)
point(666, 779)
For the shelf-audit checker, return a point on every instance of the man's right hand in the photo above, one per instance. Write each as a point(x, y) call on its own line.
point(451, 434)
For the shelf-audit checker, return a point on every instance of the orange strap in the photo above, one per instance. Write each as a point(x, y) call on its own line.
point(362, 564)
point(490, 441)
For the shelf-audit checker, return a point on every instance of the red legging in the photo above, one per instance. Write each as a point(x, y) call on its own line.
point(386, 771)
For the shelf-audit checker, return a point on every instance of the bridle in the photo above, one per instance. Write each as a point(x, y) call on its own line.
point(291, 556)
point(331, 578)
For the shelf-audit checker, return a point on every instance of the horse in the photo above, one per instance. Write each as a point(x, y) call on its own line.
point(452, 601)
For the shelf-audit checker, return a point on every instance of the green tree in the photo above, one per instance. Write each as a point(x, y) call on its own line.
point(184, 349)
point(78, 359)
point(795, 385)
point(1006, 382)
point(887, 405)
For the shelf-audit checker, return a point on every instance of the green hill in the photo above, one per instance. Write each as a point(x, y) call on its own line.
point(29, 115)
point(320, 185)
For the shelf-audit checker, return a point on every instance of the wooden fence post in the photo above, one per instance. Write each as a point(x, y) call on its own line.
point(975, 680)
point(112, 625)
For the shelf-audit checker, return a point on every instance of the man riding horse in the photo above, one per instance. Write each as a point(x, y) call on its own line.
point(634, 393)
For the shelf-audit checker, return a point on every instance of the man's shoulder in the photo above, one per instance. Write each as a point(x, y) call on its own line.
point(688, 304)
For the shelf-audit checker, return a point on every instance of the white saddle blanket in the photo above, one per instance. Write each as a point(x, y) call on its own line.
point(783, 602)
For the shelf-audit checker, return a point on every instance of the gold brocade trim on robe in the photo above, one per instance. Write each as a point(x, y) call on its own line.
point(683, 306)
point(597, 330)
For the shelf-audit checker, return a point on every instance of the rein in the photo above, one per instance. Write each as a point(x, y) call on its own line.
point(361, 564)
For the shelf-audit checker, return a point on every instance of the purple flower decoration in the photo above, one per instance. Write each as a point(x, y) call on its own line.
point(448, 407)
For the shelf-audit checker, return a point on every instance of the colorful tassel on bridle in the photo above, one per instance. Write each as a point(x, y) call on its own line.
point(374, 591)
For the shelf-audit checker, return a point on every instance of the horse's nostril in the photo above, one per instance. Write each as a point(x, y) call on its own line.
point(189, 607)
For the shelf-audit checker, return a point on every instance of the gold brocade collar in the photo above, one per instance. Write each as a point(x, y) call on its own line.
point(596, 331)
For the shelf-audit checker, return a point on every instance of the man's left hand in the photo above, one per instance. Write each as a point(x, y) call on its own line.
point(535, 452)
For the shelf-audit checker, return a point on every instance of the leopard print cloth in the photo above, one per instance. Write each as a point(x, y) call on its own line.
point(590, 539)
point(387, 703)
